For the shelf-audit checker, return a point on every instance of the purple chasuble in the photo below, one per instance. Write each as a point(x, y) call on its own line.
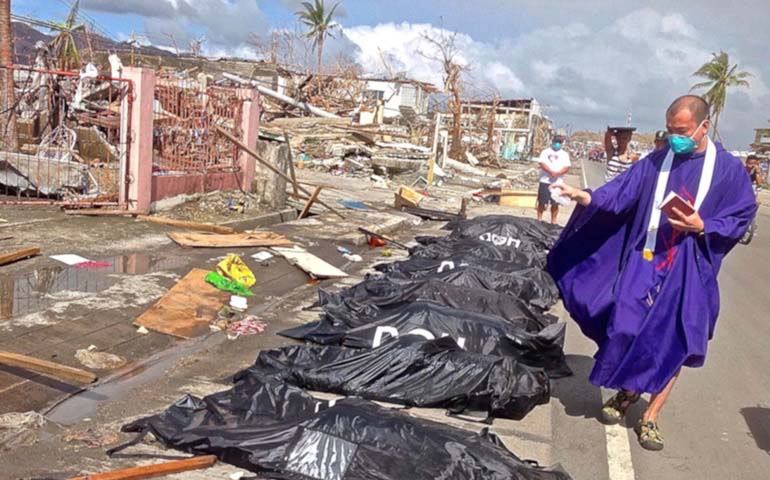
point(649, 318)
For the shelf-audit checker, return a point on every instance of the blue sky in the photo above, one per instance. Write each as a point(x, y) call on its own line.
point(589, 61)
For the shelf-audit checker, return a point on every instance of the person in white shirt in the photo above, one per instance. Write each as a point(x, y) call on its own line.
point(554, 163)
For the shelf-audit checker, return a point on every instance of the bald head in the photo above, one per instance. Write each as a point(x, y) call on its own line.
point(695, 105)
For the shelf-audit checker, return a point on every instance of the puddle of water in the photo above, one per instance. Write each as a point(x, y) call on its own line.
point(85, 404)
point(34, 291)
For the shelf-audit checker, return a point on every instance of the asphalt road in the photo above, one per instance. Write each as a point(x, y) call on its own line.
point(717, 421)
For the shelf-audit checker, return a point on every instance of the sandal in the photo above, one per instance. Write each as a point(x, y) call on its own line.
point(650, 437)
point(615, 408)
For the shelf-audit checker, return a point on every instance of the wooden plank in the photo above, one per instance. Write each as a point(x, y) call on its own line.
point(11, 257)
point(98, 212)
point(203, 227)
point(270, 166)
point(213, 240)
point(291, 164)
point(310, 202)
point(312, 265)
point(154, 471)
point(47, 368)
point(187, 309)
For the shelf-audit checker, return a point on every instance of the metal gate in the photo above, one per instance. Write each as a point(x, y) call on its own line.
point(72, 138)
point(184, 138)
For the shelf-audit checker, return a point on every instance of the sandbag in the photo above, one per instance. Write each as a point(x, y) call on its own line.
point(474, 332)
point(415, 372)
point(367, 298)
point(278, 431)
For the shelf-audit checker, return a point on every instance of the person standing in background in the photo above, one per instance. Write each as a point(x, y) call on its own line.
point(554, 163)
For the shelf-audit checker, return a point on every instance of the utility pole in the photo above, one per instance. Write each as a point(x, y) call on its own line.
point(8, 100)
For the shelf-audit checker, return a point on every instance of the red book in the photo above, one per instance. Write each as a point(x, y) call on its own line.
point(672, 201)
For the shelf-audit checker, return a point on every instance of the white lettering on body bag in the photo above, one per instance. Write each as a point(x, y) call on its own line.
point(380, 332)
point(500, 240)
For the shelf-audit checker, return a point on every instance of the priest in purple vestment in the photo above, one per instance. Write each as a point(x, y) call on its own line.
point(643, 284)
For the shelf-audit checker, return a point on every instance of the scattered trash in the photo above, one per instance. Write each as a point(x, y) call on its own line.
point(250, 325)
point(354, 205)
point(344, 250)
point(92, 264)
point(262, 256)
point(239, 303)
point(386, 252)
point(142, 331)
point(353, 258)
point(312, 265)
point(235, 269)
point(227, 285)
point(225, 316)
point(237, 475)
point(92, 438)
point(91, 357)
point(70, 259)
point(19, 429)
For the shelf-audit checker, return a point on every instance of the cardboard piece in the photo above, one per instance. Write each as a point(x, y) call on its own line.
point(187, 309)
point(203, 240)
point(309, 263)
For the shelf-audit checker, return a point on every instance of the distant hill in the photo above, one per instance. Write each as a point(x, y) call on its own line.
point(25, 37)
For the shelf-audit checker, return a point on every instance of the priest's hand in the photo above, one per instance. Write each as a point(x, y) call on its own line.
point(580, 196)
point(686, 223)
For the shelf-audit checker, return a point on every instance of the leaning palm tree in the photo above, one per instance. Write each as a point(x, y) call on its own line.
point(64, 47)
point(319, 23)
point(720, 76)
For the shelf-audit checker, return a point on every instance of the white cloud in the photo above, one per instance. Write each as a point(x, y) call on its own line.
point(404, 45)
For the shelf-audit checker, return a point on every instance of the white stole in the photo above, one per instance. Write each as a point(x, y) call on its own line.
point(706, 174)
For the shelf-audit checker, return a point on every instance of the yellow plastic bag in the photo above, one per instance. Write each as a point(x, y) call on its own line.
point(233, 268)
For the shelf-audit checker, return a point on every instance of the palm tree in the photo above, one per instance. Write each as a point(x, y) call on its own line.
point(7, 103)
point(319, 23)
point(64, 47)
point(720, 76)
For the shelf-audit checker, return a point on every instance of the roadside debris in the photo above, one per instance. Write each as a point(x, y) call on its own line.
point(188, 225)
point(233, 240)
point(154, 471)
point(91, 357)
point(17, 255)
point(225, 284)
point(262, 256)
point(250, 325)
point(187, 309)
point(50, 369)
point(92, 438)
point(20, 429)
point(309, 263)
point(234, 268)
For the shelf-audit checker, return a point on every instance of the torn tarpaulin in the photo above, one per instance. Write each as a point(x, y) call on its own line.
point(529, 284)
point(280, 432)
point(416, 372)
point(507, 231)
point(367, 298)
point(474, 332)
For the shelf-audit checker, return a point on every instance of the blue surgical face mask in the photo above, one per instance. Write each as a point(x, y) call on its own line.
point(681, 144)
point(556, 145)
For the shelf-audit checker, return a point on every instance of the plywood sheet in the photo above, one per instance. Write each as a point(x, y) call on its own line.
point(260, 239)
point(187, 309)
point(312, 265)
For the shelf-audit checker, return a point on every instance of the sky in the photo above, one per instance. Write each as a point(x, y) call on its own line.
point(589, 62)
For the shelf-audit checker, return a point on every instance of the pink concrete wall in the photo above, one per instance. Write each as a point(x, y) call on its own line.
point(167, 186)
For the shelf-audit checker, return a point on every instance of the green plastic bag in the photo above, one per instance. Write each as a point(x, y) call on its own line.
point(227, 285)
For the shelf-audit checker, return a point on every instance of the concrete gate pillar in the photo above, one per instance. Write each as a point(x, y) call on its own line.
point(140, 124)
